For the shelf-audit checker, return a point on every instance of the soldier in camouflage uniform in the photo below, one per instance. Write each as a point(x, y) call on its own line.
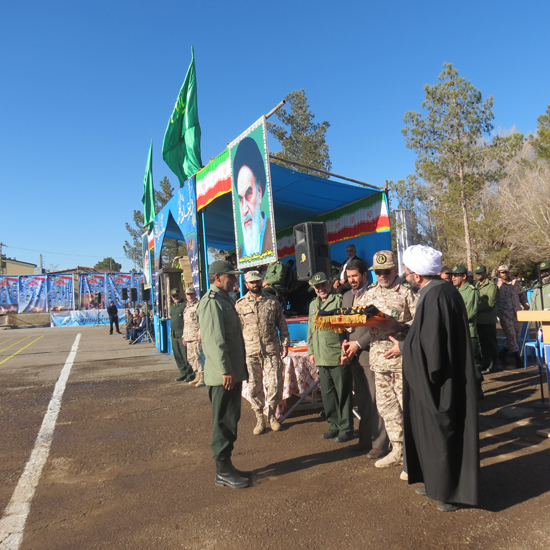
point(510, 300)
point(263, 323)
point(392, 296)
point(192, 338)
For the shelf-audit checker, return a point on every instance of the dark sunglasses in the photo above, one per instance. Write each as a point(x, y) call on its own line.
point(382, 271)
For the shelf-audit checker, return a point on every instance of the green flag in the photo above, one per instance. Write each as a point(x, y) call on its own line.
point(181, 148)
point(148, 198)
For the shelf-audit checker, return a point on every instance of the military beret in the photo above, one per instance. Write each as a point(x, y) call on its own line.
point(318, 278)
point(480, 269)
point(459, 270)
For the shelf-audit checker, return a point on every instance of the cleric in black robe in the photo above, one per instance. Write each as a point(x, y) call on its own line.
point(439, 388)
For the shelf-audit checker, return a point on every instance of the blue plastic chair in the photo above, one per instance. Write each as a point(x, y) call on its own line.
point(536, 346)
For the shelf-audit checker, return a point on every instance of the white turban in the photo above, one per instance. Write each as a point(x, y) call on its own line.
point(422, 260)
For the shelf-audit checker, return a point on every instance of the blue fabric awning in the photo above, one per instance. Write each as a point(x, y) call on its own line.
point(297, 198)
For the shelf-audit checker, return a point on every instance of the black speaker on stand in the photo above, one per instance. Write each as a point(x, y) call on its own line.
point(311, 250)
point(133, 295)
point(124, 294)
point(145, 293)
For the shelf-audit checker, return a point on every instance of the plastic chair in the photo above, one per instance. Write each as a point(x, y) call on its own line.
point(535, 346)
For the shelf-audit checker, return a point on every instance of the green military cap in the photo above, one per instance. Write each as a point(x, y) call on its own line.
point(223, 267)
point(544, 266)
point(459, 270)
point(480, 269)
point(318, 278)
point(174, 292)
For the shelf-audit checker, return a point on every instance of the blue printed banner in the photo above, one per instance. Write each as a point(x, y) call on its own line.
point(187, 222)
point(137, 279)
point(89, 285)
point(8, 294)
point(32, 294)
point(80, 318)
point(60, 292)
point(115, 283)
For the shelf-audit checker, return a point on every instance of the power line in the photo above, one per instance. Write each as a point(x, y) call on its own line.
point(67, 254)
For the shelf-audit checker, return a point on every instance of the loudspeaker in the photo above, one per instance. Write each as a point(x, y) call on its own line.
point(145, 292)
point(124, 293)
point(97, 297)
point(311, 250)
point(133, 295)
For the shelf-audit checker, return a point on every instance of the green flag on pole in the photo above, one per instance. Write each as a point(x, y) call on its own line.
point(148, 198)
point(181, 148)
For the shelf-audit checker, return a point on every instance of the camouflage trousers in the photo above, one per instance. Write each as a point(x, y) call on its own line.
point(265, 380)
point(512, 330)
point(389, 400)
point(195, 356)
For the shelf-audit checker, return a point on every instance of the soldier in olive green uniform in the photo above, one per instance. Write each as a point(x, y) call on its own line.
point(487, 320)
point(470, 295)
point(176, 336)
point(536, 302)
point(325, 351)
point(224, 369)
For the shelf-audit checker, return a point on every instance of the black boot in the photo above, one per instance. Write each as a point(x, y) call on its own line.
point(226, 476)
point(517, 359)
point(248, 475)
point(502, 357)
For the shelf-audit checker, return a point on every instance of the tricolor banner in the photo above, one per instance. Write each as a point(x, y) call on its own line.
point(214, 180)
point(368, 215)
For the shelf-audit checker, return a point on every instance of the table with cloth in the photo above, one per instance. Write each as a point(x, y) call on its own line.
point(299, 374)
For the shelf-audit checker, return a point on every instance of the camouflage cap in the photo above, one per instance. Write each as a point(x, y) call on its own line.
point(384, 259)
point(318, 278)
point(223, 267)
point(544, 266)
point(459, 270)
point(190, 290)
point(480, 269)
point(251, 276)
point(503, 267)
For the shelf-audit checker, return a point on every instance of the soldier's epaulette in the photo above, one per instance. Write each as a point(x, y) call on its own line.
point(372, 285)
point(405, 284)
point(240, 299)
point(212, 294)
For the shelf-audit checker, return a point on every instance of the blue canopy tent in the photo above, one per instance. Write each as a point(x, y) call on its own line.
point(298, 198)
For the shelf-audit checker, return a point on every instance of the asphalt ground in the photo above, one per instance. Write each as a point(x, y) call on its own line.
point(130, 464)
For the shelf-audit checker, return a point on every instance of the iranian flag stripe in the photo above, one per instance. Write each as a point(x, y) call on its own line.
point(214, 180)
point(369, 215)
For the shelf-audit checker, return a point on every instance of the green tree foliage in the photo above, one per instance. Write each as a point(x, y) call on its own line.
point(456, 158)
point(171, 248)
point(541, 140)
point(301, 139)
point(108, 264)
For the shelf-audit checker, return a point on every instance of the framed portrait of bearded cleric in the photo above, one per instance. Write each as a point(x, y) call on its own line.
point(252, 198)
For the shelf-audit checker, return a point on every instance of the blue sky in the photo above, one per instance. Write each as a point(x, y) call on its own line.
point(84, 87)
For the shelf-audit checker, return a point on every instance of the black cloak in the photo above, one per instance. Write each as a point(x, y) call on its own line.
point(439, 397)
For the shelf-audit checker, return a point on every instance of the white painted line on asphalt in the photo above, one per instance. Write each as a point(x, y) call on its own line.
point(12, 525)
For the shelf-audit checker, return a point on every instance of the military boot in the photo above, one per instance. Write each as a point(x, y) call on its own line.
point(517, 359)
point(200, 380)
point(272, 420)
point(195, 381)
point(260, 423)
point(502, 356)
point(228, 477)
point(393, 459)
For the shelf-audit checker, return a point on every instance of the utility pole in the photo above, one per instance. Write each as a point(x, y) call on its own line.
point(2, 269)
